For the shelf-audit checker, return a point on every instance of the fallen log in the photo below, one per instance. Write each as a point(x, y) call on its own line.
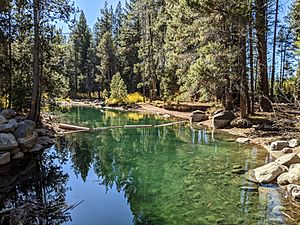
point(72, 127)
point(137, 126)
point(171, 124)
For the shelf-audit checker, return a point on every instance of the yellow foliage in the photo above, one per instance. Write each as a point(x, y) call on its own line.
point(113, 101)
point(135, 116)
point(110, 114)
point(134, 98)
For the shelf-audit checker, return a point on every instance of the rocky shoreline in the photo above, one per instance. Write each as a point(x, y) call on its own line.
point(19, 137)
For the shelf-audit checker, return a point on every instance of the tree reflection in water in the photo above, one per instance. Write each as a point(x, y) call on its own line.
point(34, 192)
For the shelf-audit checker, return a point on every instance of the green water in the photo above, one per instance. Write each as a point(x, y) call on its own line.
point(170, 175)
point(167, 175)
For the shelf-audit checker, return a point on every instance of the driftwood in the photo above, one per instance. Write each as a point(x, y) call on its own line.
point(71, 129)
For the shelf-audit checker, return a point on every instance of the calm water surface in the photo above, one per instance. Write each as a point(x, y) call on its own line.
point(167, 175)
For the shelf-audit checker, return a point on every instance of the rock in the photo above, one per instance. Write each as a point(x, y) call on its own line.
point(251, 177)
point(2, 119)
point(279, 145)
point(237, 167)
point(241, 123)
point(294, 190)
point(9, 127)
point(242, 140)
point(25, 129)
point(20, 118)
point(222, 119)
point(8, 113)
point(41, 132)
point(45, 141)
point(266, 127)
point(4, 158)
point(288, 159)
point(269, 172)
point(293, 143)
point(36, 148)
point(7, 142)
point(294, 174)
point(27, 142)
point(287, 150)
point(198, 116)
point(283, 179)
point(18, 156)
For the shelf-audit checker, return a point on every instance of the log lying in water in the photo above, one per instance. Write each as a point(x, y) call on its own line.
point(76, 129)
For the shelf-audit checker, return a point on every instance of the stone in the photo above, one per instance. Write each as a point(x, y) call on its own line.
point(288, 159)
point(241, 123)
point(8, 113)
point(27, 142)
point(249, 189)
point(45, 141)
point(251, 177)
point(222, 119)
point(279, 145)
point(41, 132)
point(294, 191)
point(267, 127)
point(36, 148)
point(25, 129)
point(20, 118)
point(283, 179)
point(9, 127)
point(269, 172)
point(2, 119)
point(286, 150)
point(4, 158)
point(18, 156)
point(198, 116)
point(294, 174)
point(293, 143)
point(7, 142)
point(242, 140)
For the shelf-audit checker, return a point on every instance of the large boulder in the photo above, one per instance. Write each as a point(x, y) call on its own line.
point(279, 145)
point(25, 129)
point(283, 179)
point(288, 159)
point(8, 113)
point(241, 123)
point(222, 119)
point(7, 142)
point(294, 191)
point(9, 127)
point(2, 119)
point(198, 116)
point(269, 172)
point(4, 158)
point(291, 177)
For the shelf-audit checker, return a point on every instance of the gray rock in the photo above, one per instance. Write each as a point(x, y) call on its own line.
point(287, 150)
point(45, 141)
point(25, 129)
point(2, 119)
point(8, 113)
point(36, 148)
point(7, 142)
point(294, 191)
point(9, 127)
point(267, 127)
point(4, 158)
point(27, 142)
point(20, 118)
point(198, 116)
point(18, 156)
point(241, 123)
point(279, 145)
point(242, 140)
point(41, 132)
point(269, 172)
point(293, 143)
point(288, 159)
point(222, 119)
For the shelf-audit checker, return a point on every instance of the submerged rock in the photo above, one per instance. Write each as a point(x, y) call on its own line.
point(249, 188)
point(269, 172)
point(222, 119)
point(7, 142)
point(279, 145)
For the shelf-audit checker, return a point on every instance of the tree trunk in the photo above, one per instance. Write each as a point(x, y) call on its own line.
point(265, 104)
point(10, 63)
point(35, 97)
point(251, 61)
point(274, 52)
point(243, 74)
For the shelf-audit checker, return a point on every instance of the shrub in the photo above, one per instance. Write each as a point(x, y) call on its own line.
point(117, 87)
point(134, 98)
